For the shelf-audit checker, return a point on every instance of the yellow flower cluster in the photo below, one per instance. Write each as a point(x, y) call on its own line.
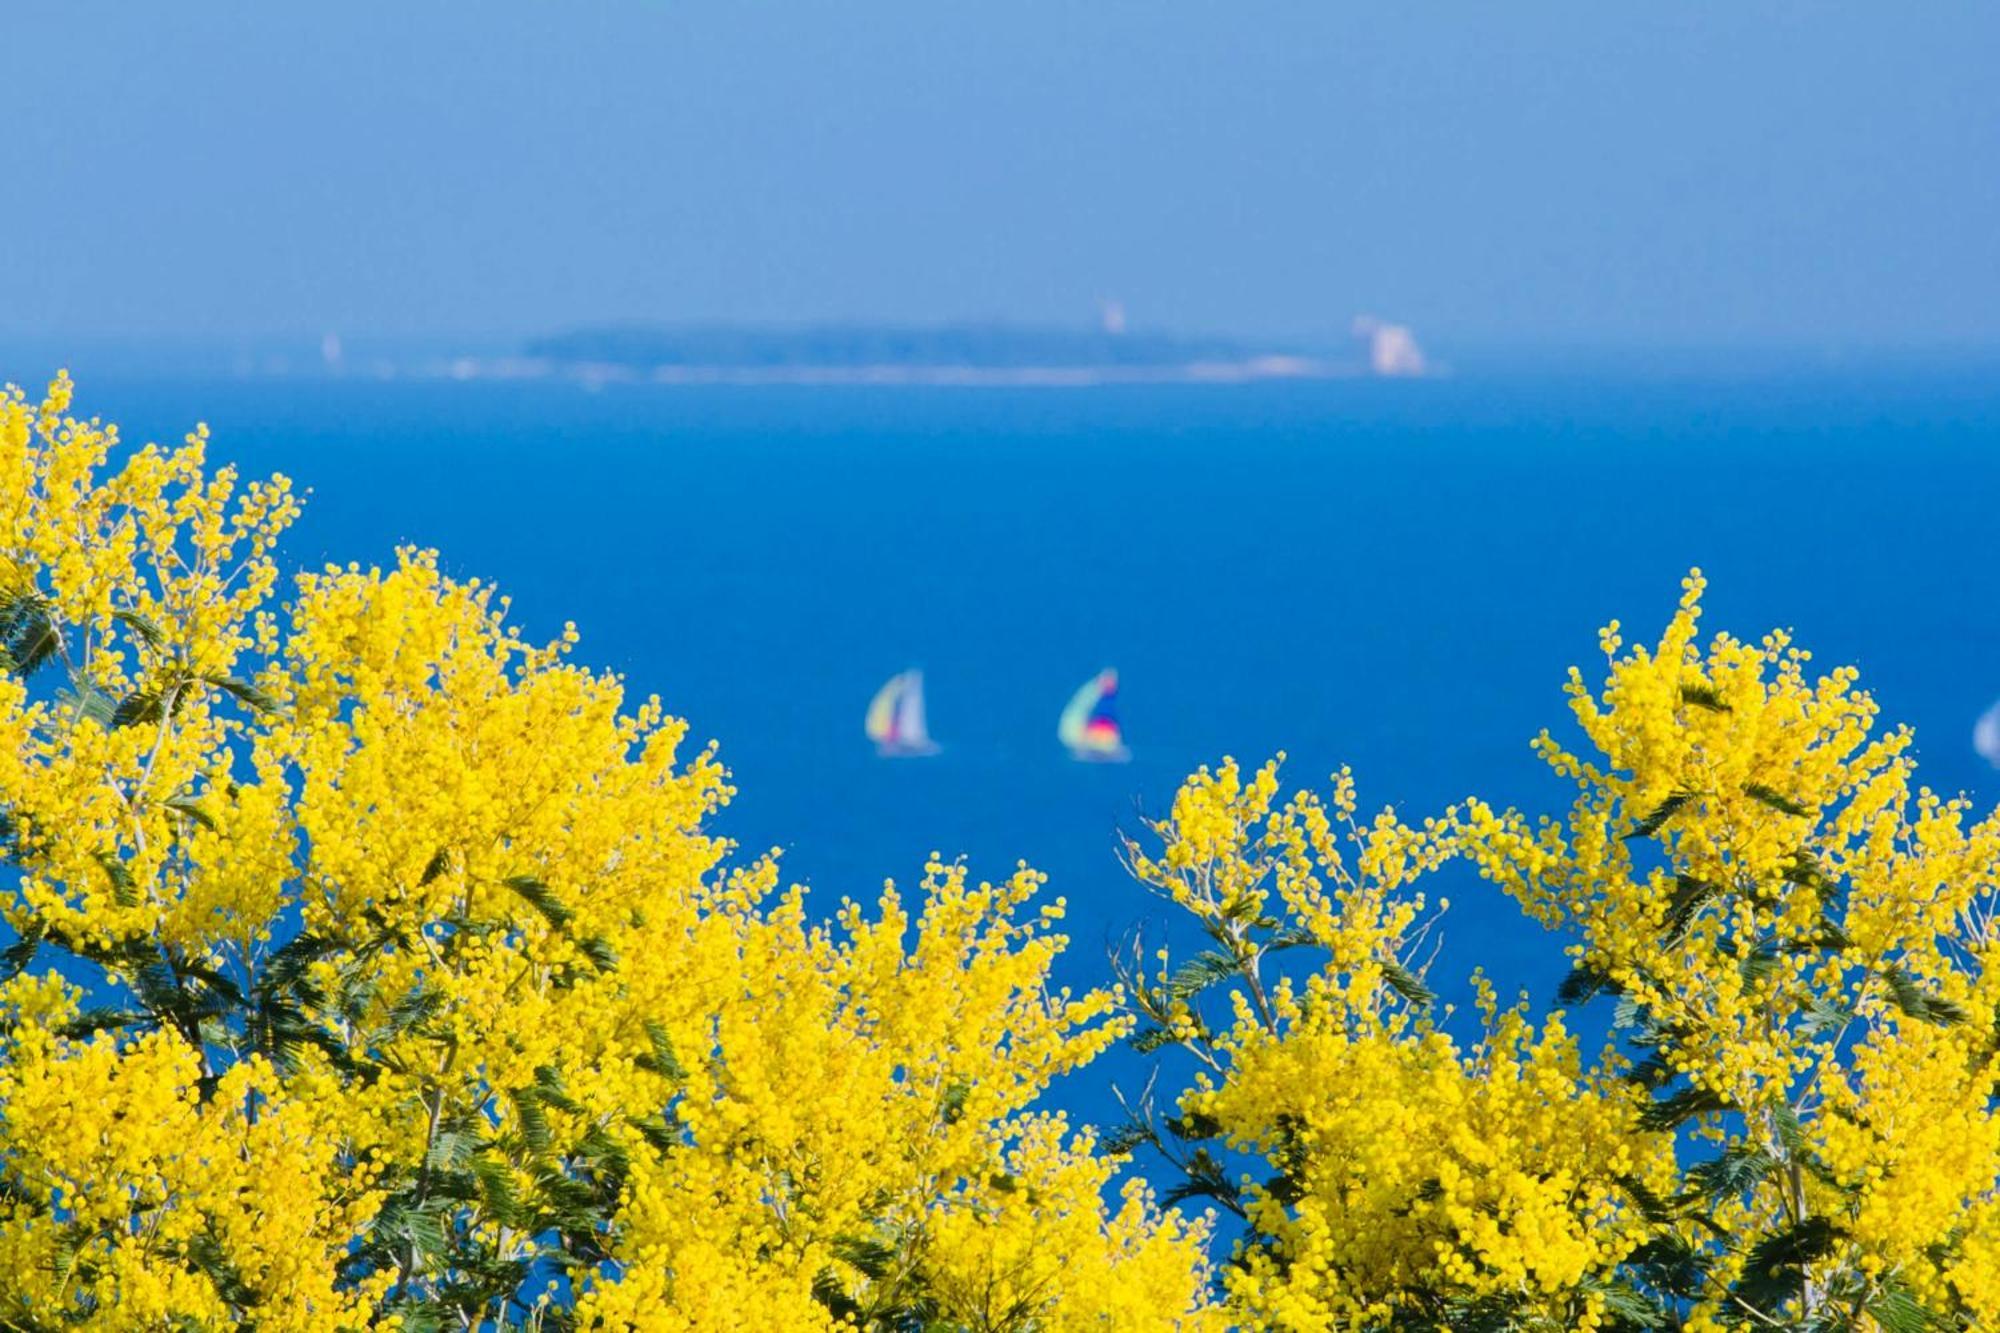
point(1801, 944)
point(859, 1124)
point(145, 1169)
point(423, 987)
point(1415, 1168)
point(402, 986)
point(1413, 1179)
point(146, 587)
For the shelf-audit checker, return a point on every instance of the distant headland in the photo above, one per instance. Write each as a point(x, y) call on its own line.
point(966, 353)
point(941, 354)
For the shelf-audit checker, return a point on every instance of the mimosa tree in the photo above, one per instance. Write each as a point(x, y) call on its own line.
point(1796, 949)
point(373, 968)
point(369, 964)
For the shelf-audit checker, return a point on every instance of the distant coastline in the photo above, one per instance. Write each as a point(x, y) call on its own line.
point(963, 354)
point(891, 374)
point(955, 354)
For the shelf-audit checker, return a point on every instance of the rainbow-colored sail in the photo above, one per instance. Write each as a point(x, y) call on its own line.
point(1089, 726)
point(896, 718)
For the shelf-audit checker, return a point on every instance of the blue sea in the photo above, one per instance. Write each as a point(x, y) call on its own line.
point(1390, 575)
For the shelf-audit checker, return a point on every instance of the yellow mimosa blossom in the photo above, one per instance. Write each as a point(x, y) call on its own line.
point(1800, 943)
point(371, 964)
point(1413, 1181)
point(420, 996)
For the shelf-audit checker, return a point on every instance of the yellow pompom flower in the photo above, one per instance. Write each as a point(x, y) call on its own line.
point(1800, 940)
point(424, 985)
point(1400, 1177)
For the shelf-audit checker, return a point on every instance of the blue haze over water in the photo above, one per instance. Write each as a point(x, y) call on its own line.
point(1389, 575)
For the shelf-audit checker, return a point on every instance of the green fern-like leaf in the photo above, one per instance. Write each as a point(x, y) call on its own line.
point(143, 627)
point(189, 808)
point(661, 1059)
point(1689, 897)
point(1774, 1272)
point(540, 897)
point(1683, 1106)
point(252, 697)
point(1913, 999)
point(1740, 1169)
point(141, 708)
point(1671, 1265)
point(124, 890)
point(87, 701)
point(1776, 800)
point(497, 1192)
point(1703, 696)
point(1197, 974)
point(29, 637)
point(1582, 984)
point(1407, 983)
point(17, 957)
point(1896, 1310)
point(1656, 819)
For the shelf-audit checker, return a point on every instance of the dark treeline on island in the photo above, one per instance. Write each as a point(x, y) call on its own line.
point(961, 353)
point(951, 353)
point(850, 347)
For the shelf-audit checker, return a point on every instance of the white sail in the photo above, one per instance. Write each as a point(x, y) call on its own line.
point(1986, 735)
point(910, 727)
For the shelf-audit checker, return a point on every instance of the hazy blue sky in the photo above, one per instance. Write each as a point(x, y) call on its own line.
point(1557, 170)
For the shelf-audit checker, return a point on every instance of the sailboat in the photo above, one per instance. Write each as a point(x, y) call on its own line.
point(1986, 735)
point(1089, 726)
point(896, 718)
